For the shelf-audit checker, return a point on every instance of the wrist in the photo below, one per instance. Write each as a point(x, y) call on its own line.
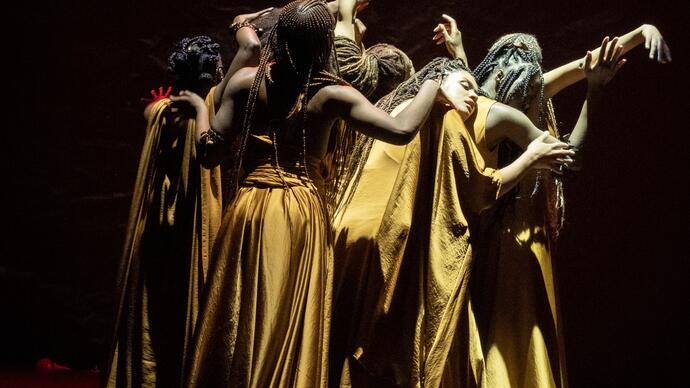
point(237, 25)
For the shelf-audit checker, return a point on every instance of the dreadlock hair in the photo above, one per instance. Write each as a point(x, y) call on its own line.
point(193, 64)
point(301, 43)
point(520, 57)
point(436, 69)
point(394, 67)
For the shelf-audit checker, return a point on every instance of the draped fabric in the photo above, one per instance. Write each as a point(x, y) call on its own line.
point(356, 254)
point(173, 221)
point(266, 314)
point(514, 291)
point(424, 257)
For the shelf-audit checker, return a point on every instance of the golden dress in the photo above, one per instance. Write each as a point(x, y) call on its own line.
point(414, 318)
point(266, 313)
point(514, 291)
point(173, 221)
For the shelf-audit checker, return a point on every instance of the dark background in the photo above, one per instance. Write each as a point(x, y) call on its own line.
point(74, 129)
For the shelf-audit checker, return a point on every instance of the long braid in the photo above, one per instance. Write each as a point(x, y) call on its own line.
point(249, 114)
point(520, 57)
point(435, 69)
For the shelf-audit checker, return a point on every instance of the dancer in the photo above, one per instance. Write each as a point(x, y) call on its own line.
point(173, 221)
point(414, 321)
point(514, 288)
point(266, 310)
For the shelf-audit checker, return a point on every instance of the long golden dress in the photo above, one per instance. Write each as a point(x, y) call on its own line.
point(173, 221)
point(266, 314)
point(514, 292)
point(414, 317)
point(355, 254)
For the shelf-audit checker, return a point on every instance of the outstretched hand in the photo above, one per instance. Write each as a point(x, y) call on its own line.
point(601, 71)
point(655, 43)
point(449, 33)
point(155, 96)
point(549, 154)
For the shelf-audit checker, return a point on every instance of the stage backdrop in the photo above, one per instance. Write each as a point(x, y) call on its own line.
point(75, 128)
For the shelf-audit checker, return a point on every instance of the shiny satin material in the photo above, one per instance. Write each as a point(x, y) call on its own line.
point(266, 314)
point(414, 306)
point(173, 221)
point(514, 290)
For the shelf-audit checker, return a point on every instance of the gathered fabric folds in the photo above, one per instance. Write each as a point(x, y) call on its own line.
point(173, 221)
point(266, 314)
point(413, 330)
point(513, 287)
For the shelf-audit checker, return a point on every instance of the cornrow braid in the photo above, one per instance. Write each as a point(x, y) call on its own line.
point(520, 57)
point(302, 42)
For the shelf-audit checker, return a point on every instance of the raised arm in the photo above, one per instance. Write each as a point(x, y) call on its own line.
point(568, 74)
point(449, 33)
point(345, 19)
point(505, 122)
point(213, 137)
point(248, 51)
point(350, 105)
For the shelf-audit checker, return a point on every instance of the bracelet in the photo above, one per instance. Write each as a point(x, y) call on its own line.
point(210, 136)
point(237, 25)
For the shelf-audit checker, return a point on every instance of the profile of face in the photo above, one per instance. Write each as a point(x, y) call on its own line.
point(460, 88)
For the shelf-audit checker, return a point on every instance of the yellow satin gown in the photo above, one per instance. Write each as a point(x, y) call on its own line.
point(266, 314)
point(173, 221)
point(410, 265)
point(514, 291)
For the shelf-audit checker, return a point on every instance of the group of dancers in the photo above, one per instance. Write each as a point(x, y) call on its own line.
point(321, 214)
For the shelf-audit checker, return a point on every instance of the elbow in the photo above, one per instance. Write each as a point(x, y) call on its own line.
point(251, 46)
point(404, 136)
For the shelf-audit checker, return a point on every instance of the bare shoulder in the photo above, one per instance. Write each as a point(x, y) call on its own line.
point(334, 98)
point(500, 113)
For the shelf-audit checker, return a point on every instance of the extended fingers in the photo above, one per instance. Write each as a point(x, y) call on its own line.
point(610, 48)
point(588, 60)
point(451, 21)
point(667, 52)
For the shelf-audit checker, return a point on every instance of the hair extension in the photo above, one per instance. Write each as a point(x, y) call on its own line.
point(394, 67)
point(362, 144)
point(194, 63)
point(520, 57)
point(301, 42)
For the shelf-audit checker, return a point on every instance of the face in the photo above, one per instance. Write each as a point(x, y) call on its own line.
point(460, 89)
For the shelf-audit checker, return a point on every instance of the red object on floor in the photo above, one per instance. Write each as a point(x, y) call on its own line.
point(48, 365)
point(28, 378)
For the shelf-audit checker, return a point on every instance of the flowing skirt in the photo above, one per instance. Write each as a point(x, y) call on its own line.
point(265, 317)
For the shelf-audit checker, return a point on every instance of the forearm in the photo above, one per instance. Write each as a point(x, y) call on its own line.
point(513, 173)
point(573, 72)
point(415, 114)
point(345, 20)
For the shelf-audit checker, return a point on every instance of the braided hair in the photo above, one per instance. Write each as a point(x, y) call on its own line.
point(301, 44)
point(394, 67)
point(519, 56)
point(194, 64)
point(436, 69)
